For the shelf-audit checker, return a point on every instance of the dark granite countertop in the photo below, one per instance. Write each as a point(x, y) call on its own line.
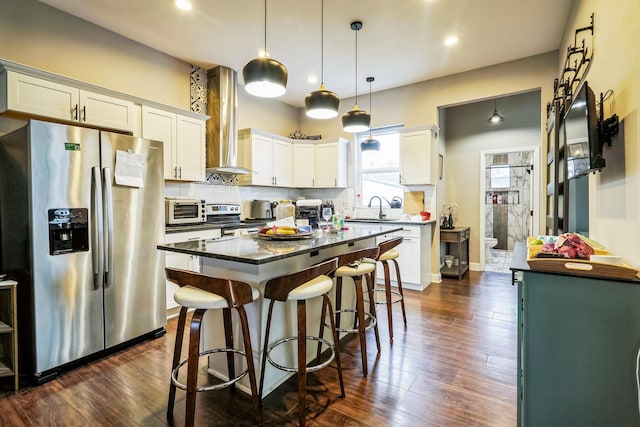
point(252, 249)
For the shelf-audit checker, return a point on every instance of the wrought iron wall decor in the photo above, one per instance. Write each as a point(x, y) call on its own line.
point(576, 65)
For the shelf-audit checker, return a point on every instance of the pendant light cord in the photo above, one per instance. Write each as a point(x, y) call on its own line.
point(370, 79)
point(265, 28)
point(322, 43)
point(357, 66)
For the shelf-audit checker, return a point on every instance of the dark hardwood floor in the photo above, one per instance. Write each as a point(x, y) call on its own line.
point(455, 365)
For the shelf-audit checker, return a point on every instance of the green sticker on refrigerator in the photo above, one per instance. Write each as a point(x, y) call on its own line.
point(71, 146)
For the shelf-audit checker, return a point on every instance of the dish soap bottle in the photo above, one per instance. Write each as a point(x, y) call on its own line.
point(285, 209)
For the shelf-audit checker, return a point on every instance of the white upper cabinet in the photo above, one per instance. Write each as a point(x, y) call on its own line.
point(418, 154)
point(304, 165)
point(23, 93)
point(331, 163)
point(269, 158)
point(184, 142)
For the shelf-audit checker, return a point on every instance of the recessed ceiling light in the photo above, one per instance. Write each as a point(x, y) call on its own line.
point(312, 79)
point(182, 4)
point(451, 40)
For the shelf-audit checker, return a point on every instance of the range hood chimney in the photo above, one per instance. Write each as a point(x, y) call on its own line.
point(222, 132)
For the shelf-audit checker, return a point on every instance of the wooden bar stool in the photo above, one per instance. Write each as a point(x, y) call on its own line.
point(202, 293)
point(351, 265)
point(386, 253)
point(300, 287)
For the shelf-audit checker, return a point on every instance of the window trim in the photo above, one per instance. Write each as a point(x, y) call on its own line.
point(383, 130)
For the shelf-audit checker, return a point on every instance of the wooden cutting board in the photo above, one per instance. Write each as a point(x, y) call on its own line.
point(413, 202)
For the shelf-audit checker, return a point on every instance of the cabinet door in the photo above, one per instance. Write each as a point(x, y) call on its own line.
point(304, 166)
point(105, 111)
point(283, 163)
point(417, 153)
point(190, 149)
point(41, 97)
point(327, 165)
point(161, 126)
point(261, 160)
point(409, 260)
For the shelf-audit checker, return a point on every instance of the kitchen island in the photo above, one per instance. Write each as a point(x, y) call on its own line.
point(254, 260)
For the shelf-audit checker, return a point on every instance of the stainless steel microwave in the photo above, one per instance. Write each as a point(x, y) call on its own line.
point(184, 211)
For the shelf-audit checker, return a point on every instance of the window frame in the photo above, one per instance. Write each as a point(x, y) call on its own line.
point(358, 137)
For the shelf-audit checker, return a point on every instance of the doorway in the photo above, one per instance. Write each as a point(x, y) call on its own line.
point(507, 204)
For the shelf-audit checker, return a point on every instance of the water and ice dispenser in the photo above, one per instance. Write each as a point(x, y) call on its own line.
point(68, 230)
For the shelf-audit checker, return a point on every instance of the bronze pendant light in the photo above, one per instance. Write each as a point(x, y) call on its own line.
point(264, 76)
point(356, 120)
point(322, 103)
point(370, 144)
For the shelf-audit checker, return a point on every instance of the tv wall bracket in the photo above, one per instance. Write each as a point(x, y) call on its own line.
point(606, 127)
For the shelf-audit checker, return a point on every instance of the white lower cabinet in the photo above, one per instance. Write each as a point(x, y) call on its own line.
point(184, 261)
point(414, 259)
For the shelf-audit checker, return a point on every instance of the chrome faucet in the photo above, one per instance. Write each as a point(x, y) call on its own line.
point(380, 214)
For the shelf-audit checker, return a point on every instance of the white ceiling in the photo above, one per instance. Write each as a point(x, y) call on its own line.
point(401, 41)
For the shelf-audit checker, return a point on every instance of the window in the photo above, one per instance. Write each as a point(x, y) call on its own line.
point(500, 176)
point(379, 171)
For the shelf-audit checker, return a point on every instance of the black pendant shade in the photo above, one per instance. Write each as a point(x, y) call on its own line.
point(264, 76)
point(370, 144)
point(356, 120)
point(322, 104)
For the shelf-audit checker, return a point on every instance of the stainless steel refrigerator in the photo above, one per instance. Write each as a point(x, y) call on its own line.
point(81, 213)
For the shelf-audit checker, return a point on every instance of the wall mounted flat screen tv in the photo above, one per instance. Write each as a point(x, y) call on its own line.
point(584, 151)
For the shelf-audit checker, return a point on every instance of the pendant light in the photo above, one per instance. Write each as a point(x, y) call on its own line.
point(356, 120)
point(264, 76)
point(370, 144)
point(322, 103)
point(495, 117)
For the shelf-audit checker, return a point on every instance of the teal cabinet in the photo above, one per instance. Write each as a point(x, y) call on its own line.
point(578, 348)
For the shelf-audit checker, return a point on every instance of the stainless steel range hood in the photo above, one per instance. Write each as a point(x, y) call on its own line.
point(222, 132)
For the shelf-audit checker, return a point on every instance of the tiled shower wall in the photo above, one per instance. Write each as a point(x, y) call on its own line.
point(510, 222)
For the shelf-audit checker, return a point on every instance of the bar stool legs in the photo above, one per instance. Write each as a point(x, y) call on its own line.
point(204, 293)
point(351, 265)
point(306, 284)
point(388, 253)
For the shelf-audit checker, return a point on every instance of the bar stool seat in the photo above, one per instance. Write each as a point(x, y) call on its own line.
point(311, 289)
point(389, 255)
point(388, 252)
point(190, 297)
point(202, 293)
point(309, 283)
point(351, 265)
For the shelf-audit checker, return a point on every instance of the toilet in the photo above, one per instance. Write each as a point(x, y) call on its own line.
point(489, 242)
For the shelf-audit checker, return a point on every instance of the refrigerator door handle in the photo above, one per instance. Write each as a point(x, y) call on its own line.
point(108, 221)
point(98, 230)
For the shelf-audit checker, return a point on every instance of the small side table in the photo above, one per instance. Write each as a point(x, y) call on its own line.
point(8, 329)
point(456, 242)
